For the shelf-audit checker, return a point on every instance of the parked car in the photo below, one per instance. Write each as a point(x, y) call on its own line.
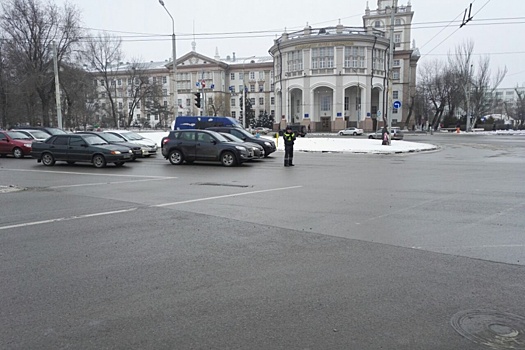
point(149, 147)
point(203, 145)
point(397, 134)
point(298, 129)
point(47, 129)
point(261, 130)
point(15, 143)
point(258, 150)
point(37, 135)
point(268, 145)
point(117, 140)
point(351, 131)
point(73, 148)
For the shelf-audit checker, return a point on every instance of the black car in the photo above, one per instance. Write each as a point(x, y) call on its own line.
point(203, 145)
point(258, 150)
point(268, 145)
point(73, 148)
point(117, 140)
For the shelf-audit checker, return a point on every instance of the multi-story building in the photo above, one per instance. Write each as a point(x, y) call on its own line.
point(333, 77)
point(327, 78)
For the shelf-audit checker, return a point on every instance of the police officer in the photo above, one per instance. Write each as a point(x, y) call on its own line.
point(289, 138)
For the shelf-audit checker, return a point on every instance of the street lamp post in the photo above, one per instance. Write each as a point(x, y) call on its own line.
point(174, 60)
point(244, 91)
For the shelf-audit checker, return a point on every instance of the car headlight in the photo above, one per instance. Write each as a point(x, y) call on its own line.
point(130, 151)
point(241, 148)
point(28, 145)
point(115, 152)
point(269, 144)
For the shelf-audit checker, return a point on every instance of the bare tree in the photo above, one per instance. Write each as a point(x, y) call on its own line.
point(104, 56)
point(217, 105)
point(32, 29)
point(139, 87)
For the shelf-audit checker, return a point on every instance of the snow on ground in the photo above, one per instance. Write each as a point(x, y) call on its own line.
point(333, 144)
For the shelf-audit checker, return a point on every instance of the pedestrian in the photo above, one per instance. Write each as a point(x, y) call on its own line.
point(308, 128)
point(289, 138)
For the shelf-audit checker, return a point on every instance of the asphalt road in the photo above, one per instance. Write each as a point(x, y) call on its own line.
point(342, 251)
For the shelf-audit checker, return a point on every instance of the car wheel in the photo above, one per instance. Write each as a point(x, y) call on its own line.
point(371, 137)
point(176, 157)
point(341, 134)
point(18, 153)
point(355, 133)
point(48, 159)
point(228, 159)
point(119, 164)
point(99, 161)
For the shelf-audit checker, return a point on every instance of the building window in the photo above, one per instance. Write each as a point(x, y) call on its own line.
point(241, 88)
point(101, 82)
point(323, 57)
point(295, 61)
point(325, 103)
point(120, 105)
point(129, 105)
point(252, 75)
point(395, 75)
point(397, 22)
point(241, 76)
point(232, 76)
point(261, 87)
point(378, 24)
point(252, 87)
point(234, 115)
point(272, 100)
point(252, 101)
point(397, 38)
point(164, 79)
point(397, 63)
point(232, 102)
point(210, 101)
point(165, 92)
point(394, 111)
point(354, 57)
point(272, 87)
point(347, 104)
point(261, 101)
point(395, 94)
point(379, 59)
point(165, 103)
point(261, 75)
point(188, 101)
point(138, 116)
point(119, 82)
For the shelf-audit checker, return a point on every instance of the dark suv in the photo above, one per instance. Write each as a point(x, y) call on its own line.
point(268, 145)
point(203, 145)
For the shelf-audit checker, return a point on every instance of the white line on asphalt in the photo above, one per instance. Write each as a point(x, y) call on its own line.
point(151, 206)
point(88, 174)
point(66, 219)
point(474, 246)
point(111, 183)
point(225, 196)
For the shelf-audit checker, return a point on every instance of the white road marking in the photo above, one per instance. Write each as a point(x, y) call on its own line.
point(67, 219)
point(225, 196)
point(111, 183)
point(474, 246)
point(87, 174)
point(150, 206)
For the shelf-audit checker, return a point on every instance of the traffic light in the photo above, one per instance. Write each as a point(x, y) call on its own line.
point(198, 100)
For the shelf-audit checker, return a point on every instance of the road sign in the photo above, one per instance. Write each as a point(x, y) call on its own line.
point(397, 104)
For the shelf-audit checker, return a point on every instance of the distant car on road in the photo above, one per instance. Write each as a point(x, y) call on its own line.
point(203, 145)
point(149, 147)
point(47, 129)
point(268, 145)
point(86, 148)
point(117, 140)
point(35, 134)
point(15, 143)
point(258, 150)
point(351, 131)
point(397, 134)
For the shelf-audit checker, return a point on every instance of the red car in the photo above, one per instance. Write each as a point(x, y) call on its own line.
point(15, 143)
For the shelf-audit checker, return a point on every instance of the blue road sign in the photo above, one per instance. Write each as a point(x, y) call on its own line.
point(397, 104)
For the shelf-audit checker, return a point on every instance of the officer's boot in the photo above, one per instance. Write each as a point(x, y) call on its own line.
point(290, 162)
point(286, 162)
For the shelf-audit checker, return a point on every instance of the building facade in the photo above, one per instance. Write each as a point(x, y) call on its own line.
point(334, 77)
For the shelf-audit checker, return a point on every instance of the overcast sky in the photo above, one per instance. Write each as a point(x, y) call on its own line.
point(249, 27)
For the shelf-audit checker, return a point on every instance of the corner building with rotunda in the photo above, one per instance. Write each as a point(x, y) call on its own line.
point(334, 77)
